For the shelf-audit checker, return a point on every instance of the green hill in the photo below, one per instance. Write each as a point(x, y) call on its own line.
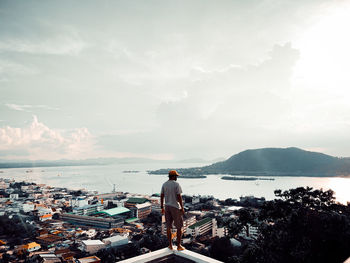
point(275, 161)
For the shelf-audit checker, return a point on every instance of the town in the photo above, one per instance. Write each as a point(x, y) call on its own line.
point(42, 223)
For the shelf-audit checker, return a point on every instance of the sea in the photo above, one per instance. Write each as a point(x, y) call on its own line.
point(134, 178)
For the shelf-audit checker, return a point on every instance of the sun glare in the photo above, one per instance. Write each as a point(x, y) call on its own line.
point(324, 52)
point(341, 187)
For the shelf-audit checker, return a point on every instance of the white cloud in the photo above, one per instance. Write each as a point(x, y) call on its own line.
point(39, 142)
point(27, 108)
point(42, 142)
point(11, 68)
point(59, 45)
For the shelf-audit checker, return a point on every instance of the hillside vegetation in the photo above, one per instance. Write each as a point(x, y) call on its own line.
point(274, 161)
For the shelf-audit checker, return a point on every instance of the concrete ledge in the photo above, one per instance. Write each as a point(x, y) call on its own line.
point(198, 258)
point(195, 256)
point(149, 256)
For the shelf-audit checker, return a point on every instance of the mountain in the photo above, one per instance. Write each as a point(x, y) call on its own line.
point(275, 161)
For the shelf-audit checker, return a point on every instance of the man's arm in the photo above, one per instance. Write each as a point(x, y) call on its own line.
point(162, 203)
point(179, 199)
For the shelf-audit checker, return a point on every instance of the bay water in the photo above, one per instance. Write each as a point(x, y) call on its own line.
point(101, 178)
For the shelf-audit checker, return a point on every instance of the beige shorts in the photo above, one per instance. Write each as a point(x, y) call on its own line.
point(173, 214)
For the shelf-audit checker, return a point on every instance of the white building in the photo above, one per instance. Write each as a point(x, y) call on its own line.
point(14, 196)
point(79, 201)
point(92, 246)
point(195, 199)
point(253, 232)
point(43, 210)
point(218, 231)
point(116, 241)
point(28, 207)
point(202, 227)
point(88, 209)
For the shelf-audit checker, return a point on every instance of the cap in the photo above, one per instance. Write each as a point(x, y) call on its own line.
point(173, 173)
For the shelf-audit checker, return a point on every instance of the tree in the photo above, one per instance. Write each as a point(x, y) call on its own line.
point(106, 255)
point(221, 249)
point(246, 217)
point(303, 226)
point(154, 217)
point(56, 216)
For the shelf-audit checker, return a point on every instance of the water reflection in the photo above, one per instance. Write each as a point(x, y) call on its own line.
point(341, 187)
point(102, 179)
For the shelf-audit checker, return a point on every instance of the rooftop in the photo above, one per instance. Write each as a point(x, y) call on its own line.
point(115, 238)
point(137, 200)
point(171, 256)
point(89, 259)
point(114, 211)
point(91, 242)
point(133, 219)
point(200, 223)
point(32, 245)
point(139, 206)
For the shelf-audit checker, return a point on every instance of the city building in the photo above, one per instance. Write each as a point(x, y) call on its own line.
point(250, 232)
point(45, 217)
point(140, 206)
point(93, 221)
point(49, 258)
point(28, 207)
point(195, 199)
point(30, 247)
point(116, 241)
point(92, 259)
point(132, 201)
point(88, 209)
point(116, 212)
point(218, 231)
point(14, 196)
point(142, 210)
point(202, 227)
point(79, 201)
point(92, 246)
point(155, 202)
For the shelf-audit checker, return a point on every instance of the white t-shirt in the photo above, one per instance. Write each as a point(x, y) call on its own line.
point(171, 189)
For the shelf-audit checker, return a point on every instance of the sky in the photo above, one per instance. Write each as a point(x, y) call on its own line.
point(172, 79)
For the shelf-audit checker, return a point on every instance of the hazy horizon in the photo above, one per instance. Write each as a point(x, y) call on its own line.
point(172, 80)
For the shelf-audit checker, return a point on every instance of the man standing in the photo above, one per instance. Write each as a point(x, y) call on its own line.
point(174, 209)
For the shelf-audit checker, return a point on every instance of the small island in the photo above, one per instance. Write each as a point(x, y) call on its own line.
point(180, 171)
point(192, 176)
point(240, 178)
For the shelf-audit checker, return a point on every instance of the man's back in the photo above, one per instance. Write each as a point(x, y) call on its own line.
point(171, 189)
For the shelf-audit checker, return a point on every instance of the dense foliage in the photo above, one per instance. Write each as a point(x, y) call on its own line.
point(301, 226)
point(16, 228)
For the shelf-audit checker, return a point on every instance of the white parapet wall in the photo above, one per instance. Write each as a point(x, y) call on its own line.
point(187, 254)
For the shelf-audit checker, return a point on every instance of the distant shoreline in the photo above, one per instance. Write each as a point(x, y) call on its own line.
point(41, 165)
point(248, 175)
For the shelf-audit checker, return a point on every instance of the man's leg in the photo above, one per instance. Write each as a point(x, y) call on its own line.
point(168, 233)
point(169, 222)
point(178, 221)
point(179, 236)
